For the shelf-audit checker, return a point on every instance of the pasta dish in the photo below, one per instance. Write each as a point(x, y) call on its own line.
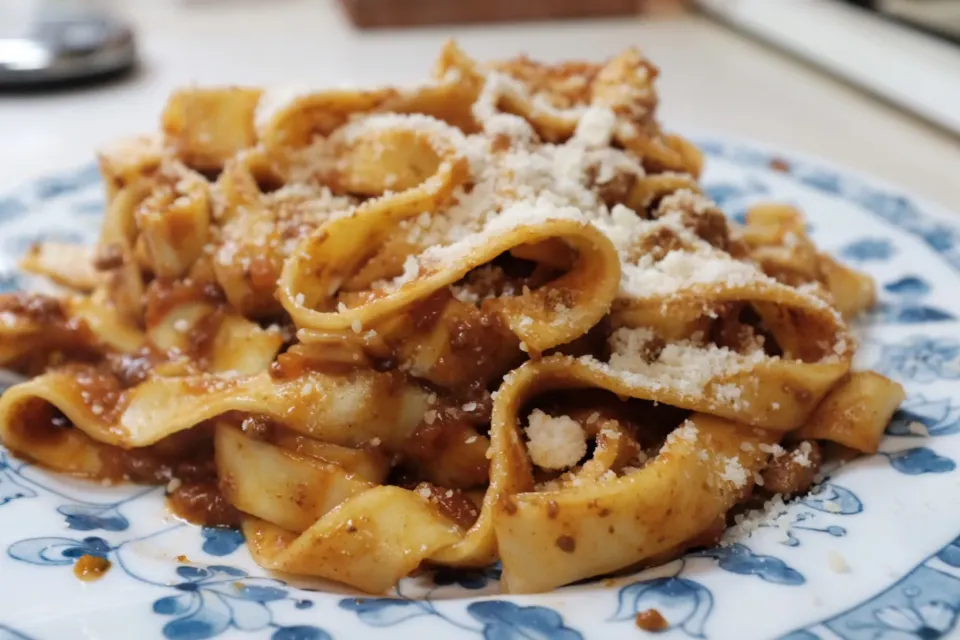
point(490, 317)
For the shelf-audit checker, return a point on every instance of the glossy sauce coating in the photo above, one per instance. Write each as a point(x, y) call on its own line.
point(89, 568)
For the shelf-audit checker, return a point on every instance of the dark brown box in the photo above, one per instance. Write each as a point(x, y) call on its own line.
point(408, 13)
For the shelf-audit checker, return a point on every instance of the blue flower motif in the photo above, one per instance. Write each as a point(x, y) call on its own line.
point(90, 517)
point(11, 487)
point(90, 207)
point(723, 193)
point(834, 499)
point(300, 632)
point(868, 249)
point(221, 541)
point(908, 287)
point(11, 208)
point(920, 460)
point(910, 314)
point(58, 551)
point(895, 209)
point(385, 612)
point(940, 237)
point(939, 417)
point(732, 197)
point(8, 633)
point(925, 622)
point(684, 603)
point(466, 578)
point(214, 598)
point(54, 186)
point(739, 559)
point(798, 525)
point(826, 181)
point(800, 635)
point(951, 553)
point(921, 359)
point(504, 620)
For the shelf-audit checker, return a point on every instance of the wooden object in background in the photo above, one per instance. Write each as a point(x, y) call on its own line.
point(409, 13)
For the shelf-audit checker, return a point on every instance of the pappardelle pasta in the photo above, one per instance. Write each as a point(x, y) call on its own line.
point(488, 317)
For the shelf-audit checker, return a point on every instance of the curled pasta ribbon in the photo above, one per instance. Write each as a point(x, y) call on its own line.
point(321, 263)
point(207, 126)
point(542, 318)
point(624, 85)
point(345, 410)
point(777, 240)
point(299, 121)
point(328, 522)
point(550, 538)
point(369, 541)
point(856, 412)
point(33, 327)
point(804, 327)
point(68, 265)
point(774, 393)
point(343, 518)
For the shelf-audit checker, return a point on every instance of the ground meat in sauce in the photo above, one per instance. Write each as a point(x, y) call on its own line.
point(186, 455)
point(658, 243)
point(431, 446)
point(452, 503)
point(786, 475)
point(202, 503)
point(37, 307)
point(614, 191)
point(107, 257)
point(426, 313)
point(164, 295)
point(131, 369)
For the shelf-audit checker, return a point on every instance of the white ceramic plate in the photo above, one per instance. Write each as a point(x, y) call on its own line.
point(875, 553)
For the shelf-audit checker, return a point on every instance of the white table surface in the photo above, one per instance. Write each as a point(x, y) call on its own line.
point(713, 80)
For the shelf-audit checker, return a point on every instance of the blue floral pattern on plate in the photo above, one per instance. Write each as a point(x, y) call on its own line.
point(177, 582)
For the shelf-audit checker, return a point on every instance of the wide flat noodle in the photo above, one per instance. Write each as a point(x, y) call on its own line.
point(370, 541)
point(345, 410)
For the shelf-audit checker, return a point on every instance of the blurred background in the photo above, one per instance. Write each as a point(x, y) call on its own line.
point(874, 84)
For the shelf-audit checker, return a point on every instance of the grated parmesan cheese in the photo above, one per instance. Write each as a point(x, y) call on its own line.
point(685, 366)
point(801, 455)
point(680, 270)
point(773, 513)
point(687, 432)
point(595, 128)
point(555, 442)
point(734, 473)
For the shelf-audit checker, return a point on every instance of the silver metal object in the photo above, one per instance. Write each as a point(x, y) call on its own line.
point(47, 41)
point(942, 16)
point(906, 67)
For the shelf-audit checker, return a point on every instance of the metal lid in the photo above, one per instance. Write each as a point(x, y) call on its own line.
point(67, 46)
